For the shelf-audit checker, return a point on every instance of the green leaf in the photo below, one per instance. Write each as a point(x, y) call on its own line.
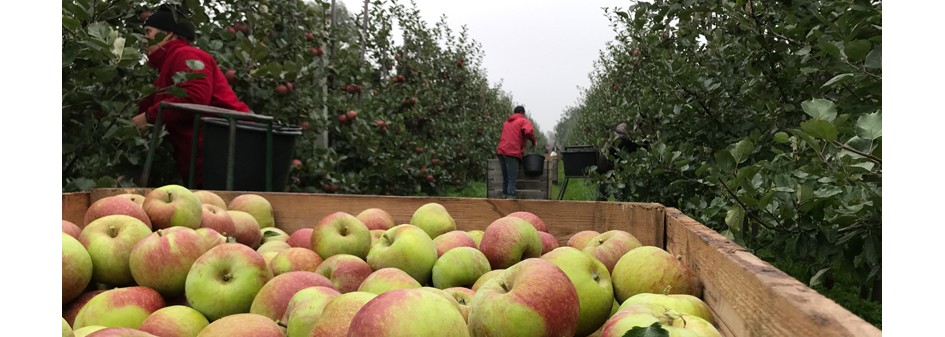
point(742, 150)
point(870, 126)
point(815, 281)
point(734, 218)
point(194, 64)
point(836, 79)
point(874, 59)
point(177, 91)
point(803, 51)
point(782, 137)
point(857, 50)
point(724, 160)
point(820, 108)
point(654, 330)
point(99, 30)
point(820, 128)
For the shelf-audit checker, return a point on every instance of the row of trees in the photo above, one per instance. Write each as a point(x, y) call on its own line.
point(764, 121)
point(419, 113)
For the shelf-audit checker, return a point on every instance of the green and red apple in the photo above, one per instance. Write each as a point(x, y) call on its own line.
point(387, 279)
point(218, 219)
point(247, 229)
point(408, 312)
point(337, 316)
point(406, 247)
point(305, 307)
point(173, 205)
point(76, 268)
point(433, 219)
point(580, 239)
point(345, 271)
point(592, 282)
point(120, 307)
point(162, 259)
point(225, 280)
point(453, 239)
point(109, 241)
point(340, 233)
point(508, 240)
point(114, 205)
point(242, 325)
point(376, 218)
point(294, 259)
point(644, 315)
point(273, 298)
point(650, 269)
point(257, 206)
point(209, 198)
point(531, 218)
point(459, 267)
point(609, 246)
point(174, 321)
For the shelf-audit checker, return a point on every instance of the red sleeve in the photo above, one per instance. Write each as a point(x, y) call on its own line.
point(529, 131)
point(199, 91)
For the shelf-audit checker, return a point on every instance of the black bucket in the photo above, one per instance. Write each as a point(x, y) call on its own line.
point(534, 165)
point(249, 173)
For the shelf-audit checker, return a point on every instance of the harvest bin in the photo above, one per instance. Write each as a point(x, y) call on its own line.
point(249, 173)
point(577, 159)
point(748, 297)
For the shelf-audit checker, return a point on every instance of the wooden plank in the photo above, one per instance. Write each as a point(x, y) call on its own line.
point(74, 206)
point(564, 218)
point(750, 297)
point(523, 184)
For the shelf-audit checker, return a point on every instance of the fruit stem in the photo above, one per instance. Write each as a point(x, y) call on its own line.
point(112, 231)
point(160, 232)
point(505, 287)
point(227, 277)
point(666, 289)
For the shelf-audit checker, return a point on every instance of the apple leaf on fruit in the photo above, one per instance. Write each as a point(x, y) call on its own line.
point(654, 330)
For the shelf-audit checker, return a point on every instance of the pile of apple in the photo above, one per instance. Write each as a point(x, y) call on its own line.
point(178, 262)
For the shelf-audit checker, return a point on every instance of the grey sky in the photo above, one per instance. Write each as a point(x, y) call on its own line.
point(541, 51)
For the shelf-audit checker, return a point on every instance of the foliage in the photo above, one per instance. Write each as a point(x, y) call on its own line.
point(764, 122)
point(426, 115)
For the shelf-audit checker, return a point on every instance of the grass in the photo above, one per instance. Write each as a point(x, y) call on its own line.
point(845, 293)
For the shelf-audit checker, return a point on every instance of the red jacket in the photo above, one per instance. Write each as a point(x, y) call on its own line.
point(213, 89)
point(515, 131)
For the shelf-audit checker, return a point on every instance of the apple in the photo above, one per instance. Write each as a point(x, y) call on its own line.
point(231, 29)
point(247, 229)
point(376, 234)
point(406, 247)
point(459, 267)
point(485, 278)
point(120, 307)
point(429, 315)
point(273, 246)
point(304, 309)
point(343, 118)
point(209, 238)
point(85, 331)
point(116, 205)
point(137, 198)
point(72, 309)
point(376, 218)
point(476, 235)
point(345, 271)
point(120, 332)
point(282, 89)
point(340, 233)
point(650, 269)
point(301, 238)
point(387, 279)
point(352, 114)
point(463, 297)
point(609, 246)
point(162, 259)
point(580, 239)
point(453, 239)
point(533, 219)
point(144, 15)
point(592, 282)
point(225, 280)
point(207, 197)
point(294, 259)
point(273, 298)
point(316, 51)
point(297, 163)
point(66, 329)
point(173, 205)
point(217, 219)
point(230, 74)
point(682, 303)
point(174, 321)
point(532, 298)
point(257, 206)
point(508, 240)
point(242, 325)
point(76, 268)
point(273, 234)
point(338, 314)
point(109, 241)
point(309, 36)
point(434, 219)
point(548, 242)
point(70, 228)
point(645, 314)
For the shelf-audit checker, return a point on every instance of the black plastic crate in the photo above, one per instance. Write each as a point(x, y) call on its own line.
point(577, 159)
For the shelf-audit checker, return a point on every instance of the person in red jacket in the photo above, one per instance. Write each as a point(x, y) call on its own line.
point(515, 131)
point(169, 49)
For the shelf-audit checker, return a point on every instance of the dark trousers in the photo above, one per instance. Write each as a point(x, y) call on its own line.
point(509, 167)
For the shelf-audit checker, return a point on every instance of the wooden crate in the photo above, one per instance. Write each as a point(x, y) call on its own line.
point(748, 297)
point(525, 187)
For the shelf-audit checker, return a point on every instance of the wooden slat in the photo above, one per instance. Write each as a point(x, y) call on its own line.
point(74, 206)
point(523, 184)
point(295, 210)
point(750, 297)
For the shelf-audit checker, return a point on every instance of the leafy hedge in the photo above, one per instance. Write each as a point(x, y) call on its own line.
point(764, 120)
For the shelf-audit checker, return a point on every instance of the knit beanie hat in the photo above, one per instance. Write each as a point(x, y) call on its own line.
point(172, 19)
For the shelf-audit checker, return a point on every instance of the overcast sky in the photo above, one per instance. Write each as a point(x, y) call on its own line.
point(540, 50)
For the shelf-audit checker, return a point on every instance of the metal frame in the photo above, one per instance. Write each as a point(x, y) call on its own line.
point(199, 111)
